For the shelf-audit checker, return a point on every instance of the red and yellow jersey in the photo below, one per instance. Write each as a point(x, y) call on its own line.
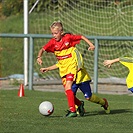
point(66, 53)
point(82, 76)
point(61, 48)
point(128, 62)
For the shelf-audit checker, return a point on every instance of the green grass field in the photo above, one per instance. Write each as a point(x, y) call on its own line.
point(21, 114)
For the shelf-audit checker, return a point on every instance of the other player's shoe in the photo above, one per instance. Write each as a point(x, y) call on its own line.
point(81, 109)
point(106, 106)
point(71, 114)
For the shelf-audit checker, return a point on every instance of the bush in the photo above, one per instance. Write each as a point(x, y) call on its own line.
point(12, 7)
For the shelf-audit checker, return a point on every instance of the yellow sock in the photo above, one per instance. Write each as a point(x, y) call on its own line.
point(76, 109)
point(96, 99)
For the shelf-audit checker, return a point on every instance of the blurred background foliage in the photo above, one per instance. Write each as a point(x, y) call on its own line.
point(15, 7)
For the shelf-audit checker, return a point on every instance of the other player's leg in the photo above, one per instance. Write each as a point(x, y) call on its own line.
point(86, 89)
point(78, 103)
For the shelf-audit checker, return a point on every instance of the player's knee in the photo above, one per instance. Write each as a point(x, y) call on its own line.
point(87, 99)
point(87, 96)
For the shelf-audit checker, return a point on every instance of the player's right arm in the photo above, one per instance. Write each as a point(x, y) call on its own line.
point(49, 47)
point(108, 63)
point(39, 57)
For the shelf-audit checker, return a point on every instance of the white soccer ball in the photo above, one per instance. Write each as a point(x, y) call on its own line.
point(46, 108)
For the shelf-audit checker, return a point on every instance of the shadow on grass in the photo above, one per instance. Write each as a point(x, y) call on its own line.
point(115, 111)
point(52, 116)
point(93, 113)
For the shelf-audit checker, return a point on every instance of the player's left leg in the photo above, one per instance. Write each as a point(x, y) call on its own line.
point(86, 89)
point(70, 95)
point(102, 101)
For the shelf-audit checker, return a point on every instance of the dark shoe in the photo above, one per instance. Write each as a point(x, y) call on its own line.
point(81, 109)
point(106, 106)
point(71, 114)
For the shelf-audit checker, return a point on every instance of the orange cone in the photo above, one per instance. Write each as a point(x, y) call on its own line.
point(21, 90)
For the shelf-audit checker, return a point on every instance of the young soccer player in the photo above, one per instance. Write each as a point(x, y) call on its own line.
point(128, 62)
point(63, 46)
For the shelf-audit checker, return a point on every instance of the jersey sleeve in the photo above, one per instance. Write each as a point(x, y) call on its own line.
point(75, 39)
point(126, 59)
point(49, 47)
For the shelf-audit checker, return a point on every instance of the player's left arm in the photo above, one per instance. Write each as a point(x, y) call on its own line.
point(45, 69)
point(91, 46)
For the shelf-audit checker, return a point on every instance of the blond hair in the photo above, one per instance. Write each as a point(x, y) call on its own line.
point(56, 25)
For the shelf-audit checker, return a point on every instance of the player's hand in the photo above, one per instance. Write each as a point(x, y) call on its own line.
point(39, 61)
point(91, 47)
point(43, 70)
point(107, 63)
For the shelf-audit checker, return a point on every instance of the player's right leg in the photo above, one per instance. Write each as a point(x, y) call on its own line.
point(80, 104)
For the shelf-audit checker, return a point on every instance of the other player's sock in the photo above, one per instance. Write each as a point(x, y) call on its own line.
point(96, 99)
point(70, 98)
point(77, 101)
